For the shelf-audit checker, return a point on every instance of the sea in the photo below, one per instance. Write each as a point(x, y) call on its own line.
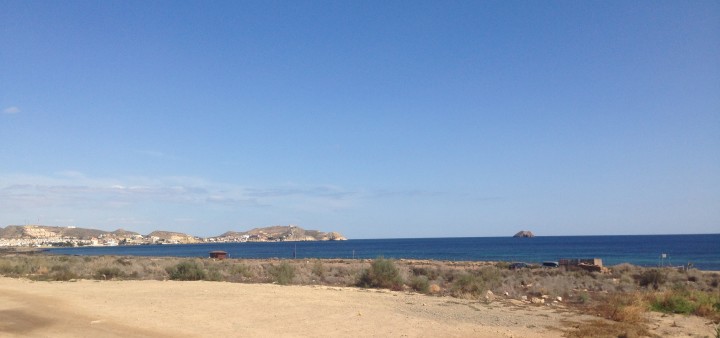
point(699, 251)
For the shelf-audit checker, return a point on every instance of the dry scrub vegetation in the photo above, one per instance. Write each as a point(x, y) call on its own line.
point(623, 295)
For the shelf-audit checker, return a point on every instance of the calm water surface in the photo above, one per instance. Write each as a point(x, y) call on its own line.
point(703, 251)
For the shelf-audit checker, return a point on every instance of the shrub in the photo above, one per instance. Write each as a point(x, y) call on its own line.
point(214, 274)
point(318, 270)
point(109, 273)
point(61, 273)
point(623, 268)
point(283, 274)
point(187, 270)
point(242, 270)
point(419, 283)
point(123, 261)
point(467, 284)
point(382, 273)
point(13, 270)
point(490, 276)
point(695, 302)
point(652, 277)
point(502, 265)
point(673, 302)
point(431, 274)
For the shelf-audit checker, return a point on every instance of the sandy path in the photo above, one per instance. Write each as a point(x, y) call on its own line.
point(154, 308)
point(210, 309)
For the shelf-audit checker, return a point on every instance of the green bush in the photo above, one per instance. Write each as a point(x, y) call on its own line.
point(490, 276)
point(283, 274)
point(683, 301)
point(381, 274)
point(242, 270)
point(187, 270)
point(673, 303)
point(419, 284)
point(214, 274)
point(467, 284)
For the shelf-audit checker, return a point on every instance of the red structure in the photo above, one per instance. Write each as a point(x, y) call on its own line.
point(218, 254)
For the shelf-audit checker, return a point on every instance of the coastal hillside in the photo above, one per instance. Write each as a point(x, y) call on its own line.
point(43, 235)
point(279, 233)
point(45, 231)
point(173, 237)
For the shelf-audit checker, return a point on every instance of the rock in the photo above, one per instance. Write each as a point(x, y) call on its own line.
point(489, 296)
point(559, 299)
point(523, 298)
point(336, 236)
point(524, 234)
point(434, 288)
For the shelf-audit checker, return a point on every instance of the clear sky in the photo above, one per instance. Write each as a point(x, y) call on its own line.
point(373, 118)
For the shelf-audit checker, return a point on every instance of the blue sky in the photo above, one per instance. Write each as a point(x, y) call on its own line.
point(373, 118)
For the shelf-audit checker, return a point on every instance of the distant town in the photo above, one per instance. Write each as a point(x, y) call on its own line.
point(71, 236)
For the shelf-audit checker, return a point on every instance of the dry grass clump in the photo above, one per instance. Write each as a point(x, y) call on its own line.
point(603, 329)
point(620, 307)
point(625, 312)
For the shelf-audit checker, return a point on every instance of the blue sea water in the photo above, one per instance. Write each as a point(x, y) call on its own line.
point(703, 251)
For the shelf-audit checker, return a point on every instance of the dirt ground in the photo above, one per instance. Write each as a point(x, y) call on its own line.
point(209, 309)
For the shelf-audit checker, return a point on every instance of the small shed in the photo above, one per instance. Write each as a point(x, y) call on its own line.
point(218, 254)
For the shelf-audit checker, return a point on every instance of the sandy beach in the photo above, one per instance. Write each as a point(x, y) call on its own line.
point(204, 309)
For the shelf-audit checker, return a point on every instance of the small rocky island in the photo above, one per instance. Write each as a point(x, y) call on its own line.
point(524, 234)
